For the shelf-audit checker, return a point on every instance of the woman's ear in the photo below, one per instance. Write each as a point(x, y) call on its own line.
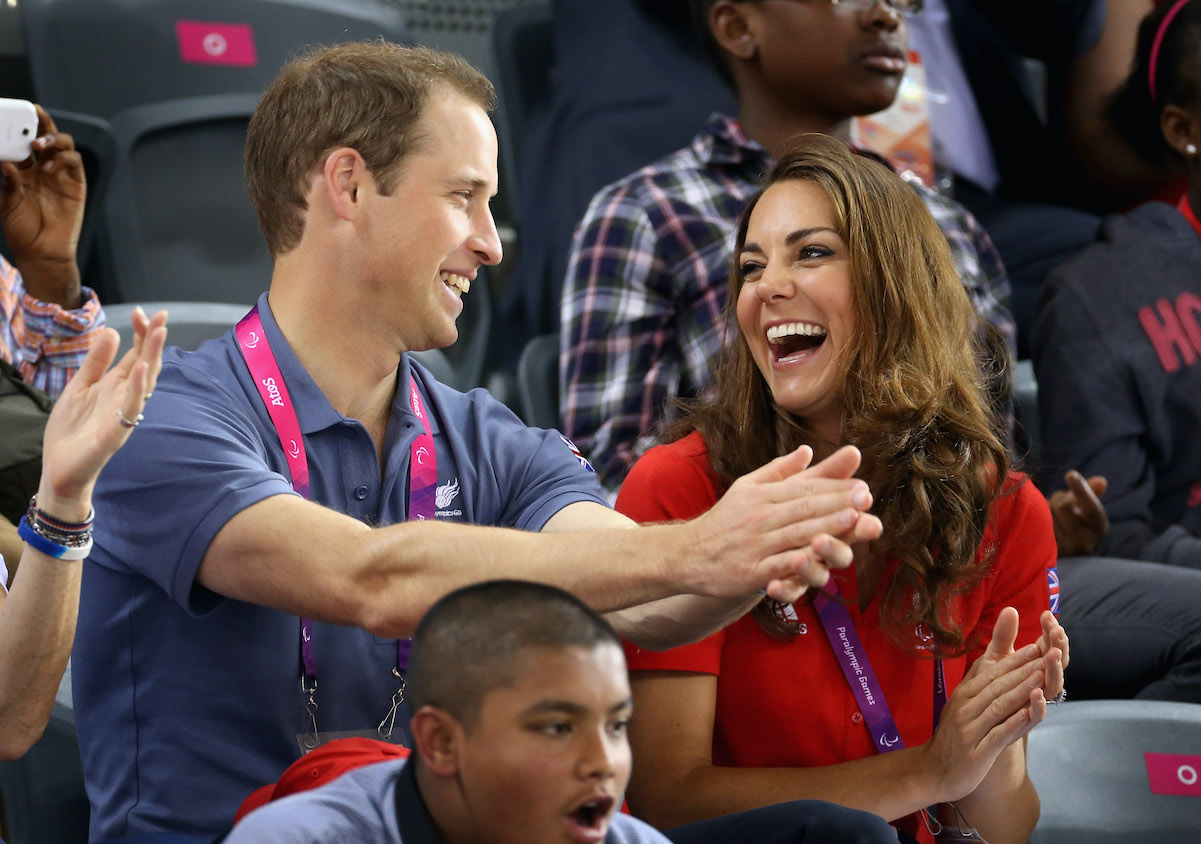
point(1181, 130)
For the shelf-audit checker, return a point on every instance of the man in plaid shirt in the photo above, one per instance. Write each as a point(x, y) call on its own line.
point(47, 319)
point(646, 279)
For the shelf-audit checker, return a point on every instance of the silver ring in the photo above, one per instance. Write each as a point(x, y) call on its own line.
point(1059, 698)
point(129, 423)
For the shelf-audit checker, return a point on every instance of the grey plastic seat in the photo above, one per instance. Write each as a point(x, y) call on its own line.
point(1088, 761)
point(191, 323)
point(178, 220)
point(538, 382)
point(188, 323)
point(102, 57)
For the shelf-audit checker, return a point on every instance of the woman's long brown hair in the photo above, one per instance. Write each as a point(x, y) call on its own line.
point(913, 398)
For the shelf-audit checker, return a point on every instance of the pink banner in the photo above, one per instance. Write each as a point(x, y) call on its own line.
point(1174, 773)
point(229, 44)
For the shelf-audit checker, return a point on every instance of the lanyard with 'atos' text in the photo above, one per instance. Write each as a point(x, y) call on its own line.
point(423, 480)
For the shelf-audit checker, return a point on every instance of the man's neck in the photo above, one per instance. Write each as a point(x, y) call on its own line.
point(444, 800)
point(773, 127)
point(355, 371)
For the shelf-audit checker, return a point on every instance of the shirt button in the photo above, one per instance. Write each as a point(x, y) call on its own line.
point(856, 717)
point(360, 493)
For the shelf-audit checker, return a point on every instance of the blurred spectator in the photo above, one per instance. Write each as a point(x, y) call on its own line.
point(1116, 351)
point(47, 319)
point(1011, 168)
point(94, 416)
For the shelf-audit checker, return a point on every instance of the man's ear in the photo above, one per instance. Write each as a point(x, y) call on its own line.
point(1181, 130)
point(437, 739)
point(731, 30)
point(343, 178)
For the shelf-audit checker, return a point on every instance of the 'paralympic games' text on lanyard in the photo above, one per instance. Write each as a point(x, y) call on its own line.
point(423, 481)
point(857, 669)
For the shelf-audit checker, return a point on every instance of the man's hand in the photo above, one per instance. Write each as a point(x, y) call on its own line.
point(1078, 515)
point(781, 527)
point(41, 208)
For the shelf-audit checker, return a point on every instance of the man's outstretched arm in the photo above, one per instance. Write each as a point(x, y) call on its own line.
point(772, 531)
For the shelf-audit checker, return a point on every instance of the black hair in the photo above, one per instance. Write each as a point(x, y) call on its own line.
point(1131, 111)
point(469, 643)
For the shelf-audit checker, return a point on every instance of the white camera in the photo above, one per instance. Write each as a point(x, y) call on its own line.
point(18, 128)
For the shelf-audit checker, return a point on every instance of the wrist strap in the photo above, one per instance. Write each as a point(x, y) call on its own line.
point(66, 553)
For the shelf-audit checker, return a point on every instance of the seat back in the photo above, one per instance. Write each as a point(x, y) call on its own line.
point(522, 53)
point(538, 382)
point(188, 323)
point(177, 216)
point(104, 56)
point(1097, 783)
point(625, 88)
point(1025, 401)
point(98, 148)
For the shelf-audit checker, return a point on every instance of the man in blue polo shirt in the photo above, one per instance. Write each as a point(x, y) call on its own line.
point(230, 624)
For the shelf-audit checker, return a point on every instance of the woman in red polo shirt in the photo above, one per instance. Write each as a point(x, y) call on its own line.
point(854, 328)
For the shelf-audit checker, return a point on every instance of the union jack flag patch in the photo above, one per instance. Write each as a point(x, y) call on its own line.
point(583, 460)
point(1053, 588)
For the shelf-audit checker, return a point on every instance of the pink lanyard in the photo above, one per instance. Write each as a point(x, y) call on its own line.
point(423, 461)
point(857, 669)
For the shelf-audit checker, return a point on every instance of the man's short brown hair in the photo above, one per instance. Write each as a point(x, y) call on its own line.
point(367, 96)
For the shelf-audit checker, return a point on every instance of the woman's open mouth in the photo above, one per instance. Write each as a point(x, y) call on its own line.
point(792, 342)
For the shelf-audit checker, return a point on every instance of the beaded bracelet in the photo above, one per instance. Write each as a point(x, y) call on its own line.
point(53, 549)
point(55, 537)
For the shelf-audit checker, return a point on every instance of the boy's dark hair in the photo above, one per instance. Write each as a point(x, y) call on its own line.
point(1131, 111)
point(470, 642)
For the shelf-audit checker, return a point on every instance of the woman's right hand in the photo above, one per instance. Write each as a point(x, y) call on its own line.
point(999, 701)
point(85, 429)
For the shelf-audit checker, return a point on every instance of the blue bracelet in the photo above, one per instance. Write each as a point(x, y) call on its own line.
point(66, 553)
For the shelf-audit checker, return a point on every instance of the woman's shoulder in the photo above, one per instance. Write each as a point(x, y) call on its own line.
point(670, 481)
point(1021, 508)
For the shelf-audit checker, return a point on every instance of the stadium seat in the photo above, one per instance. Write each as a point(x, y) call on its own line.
point(102, 57)
point(177, 217)
point(1089, 761)
point(188, 323)
point(623, 87)
point(1025, 401)
point(538, 382)
point(523, 50)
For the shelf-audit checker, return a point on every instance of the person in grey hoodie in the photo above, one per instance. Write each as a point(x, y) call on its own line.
point(1117, 353)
